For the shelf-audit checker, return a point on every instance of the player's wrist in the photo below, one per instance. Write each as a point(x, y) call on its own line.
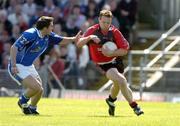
point(115, 53)
point(13, 65)
point(73, 39)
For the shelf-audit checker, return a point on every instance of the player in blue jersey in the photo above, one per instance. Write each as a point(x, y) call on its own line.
point(29, 46)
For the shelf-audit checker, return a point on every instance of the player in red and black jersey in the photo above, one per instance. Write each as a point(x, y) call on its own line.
point(108, 60)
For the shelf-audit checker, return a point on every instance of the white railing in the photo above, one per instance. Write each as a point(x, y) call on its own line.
point(56, 78)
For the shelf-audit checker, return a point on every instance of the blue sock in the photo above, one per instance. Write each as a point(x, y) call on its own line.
point(24, 99)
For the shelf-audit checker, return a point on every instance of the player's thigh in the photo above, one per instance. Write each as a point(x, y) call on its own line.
point(115, 76)
point(31, 82)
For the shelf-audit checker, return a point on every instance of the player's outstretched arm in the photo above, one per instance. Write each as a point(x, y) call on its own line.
point(84, 40)
point(67, 40)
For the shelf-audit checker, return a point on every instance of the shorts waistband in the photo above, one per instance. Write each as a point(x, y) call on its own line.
point(102, 63)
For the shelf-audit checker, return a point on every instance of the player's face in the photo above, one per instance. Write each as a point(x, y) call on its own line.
point(105, 23)
point(50, 28)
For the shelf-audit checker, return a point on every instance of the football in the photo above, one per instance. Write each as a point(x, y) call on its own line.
point(110, 45)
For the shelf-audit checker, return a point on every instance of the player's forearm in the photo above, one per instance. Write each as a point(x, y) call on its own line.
point(83, 41)
point(13, 53)
point(67, 40)
point(120, 52)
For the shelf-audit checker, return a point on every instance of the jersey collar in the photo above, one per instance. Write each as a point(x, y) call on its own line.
point(39, 33)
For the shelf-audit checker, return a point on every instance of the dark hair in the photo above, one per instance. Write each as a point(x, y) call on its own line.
point(105, 13)
point(43, 21)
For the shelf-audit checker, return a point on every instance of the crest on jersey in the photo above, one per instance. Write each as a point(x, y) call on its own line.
point(36, 49)
point(23, 40)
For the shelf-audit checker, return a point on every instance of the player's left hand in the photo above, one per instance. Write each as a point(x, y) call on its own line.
point(107, 52)
point(95, 38)
point(14, 70)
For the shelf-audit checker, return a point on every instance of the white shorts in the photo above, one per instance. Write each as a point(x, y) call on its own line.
point(24, 71)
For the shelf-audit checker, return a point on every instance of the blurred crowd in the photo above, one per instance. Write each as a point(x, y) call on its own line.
point(70, 16)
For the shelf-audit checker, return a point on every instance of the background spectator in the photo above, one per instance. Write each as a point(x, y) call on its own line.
point(75, 20)
point(49, 7)
point(19, 17)
point(126, 14)
point(29, 8)
point(5, 24)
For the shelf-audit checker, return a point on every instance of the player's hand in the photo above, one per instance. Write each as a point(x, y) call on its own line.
point(14, 70)
point(95, 38)
point(78, 35)
point(107, 52)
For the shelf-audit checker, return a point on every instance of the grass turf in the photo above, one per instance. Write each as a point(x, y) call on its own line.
point(68, 112)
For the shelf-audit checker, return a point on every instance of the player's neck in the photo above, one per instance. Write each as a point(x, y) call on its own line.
point(104, 31)
point(42, 33)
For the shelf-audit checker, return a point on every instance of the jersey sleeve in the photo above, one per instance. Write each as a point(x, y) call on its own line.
point(23, 40)
point(120, 40)
point(55, 38)
point(88, 32)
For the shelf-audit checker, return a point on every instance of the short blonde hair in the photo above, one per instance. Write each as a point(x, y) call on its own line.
point(106, 13)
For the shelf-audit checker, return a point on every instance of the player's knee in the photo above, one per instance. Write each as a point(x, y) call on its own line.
point(122, 81)
point(35, 89)
point(40, 90)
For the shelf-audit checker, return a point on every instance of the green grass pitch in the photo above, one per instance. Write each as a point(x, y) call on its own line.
point(69, 112)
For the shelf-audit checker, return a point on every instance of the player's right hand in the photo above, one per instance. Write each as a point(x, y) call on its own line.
point(95, 38)
point(14, 70)
point(78, 35)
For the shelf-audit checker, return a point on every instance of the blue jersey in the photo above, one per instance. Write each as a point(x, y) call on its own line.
point(31, 45)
